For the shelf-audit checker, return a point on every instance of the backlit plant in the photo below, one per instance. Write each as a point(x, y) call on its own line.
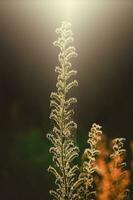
point(72, 182)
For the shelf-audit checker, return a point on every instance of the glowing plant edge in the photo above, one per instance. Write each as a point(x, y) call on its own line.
point(64, 150)
point(70, 183)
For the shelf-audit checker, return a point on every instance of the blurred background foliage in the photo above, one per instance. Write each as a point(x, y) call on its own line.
point(24, 166)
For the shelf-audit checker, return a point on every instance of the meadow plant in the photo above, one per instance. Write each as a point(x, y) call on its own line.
point(84, 184)
point(120, 176)
point(64, 149)
point(111, 172)
point(71, 181)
